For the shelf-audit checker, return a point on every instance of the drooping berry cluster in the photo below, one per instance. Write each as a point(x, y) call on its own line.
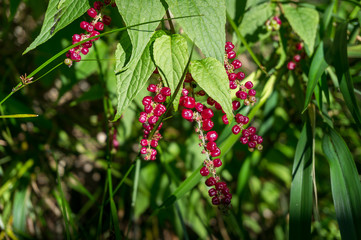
point(273, 24)
point(153, 110)
point(297, 55)
point(91, 28)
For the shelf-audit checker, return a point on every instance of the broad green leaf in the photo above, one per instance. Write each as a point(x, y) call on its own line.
point(304, 21)
point(318, 67)
point(343, 74)
point(345, 184)
point(211, 76)
point(255, 17)
point(301, 187)
point(171, 56)
point(139, 11)
point(132, 79)
point(57, 17)
point(207, 31)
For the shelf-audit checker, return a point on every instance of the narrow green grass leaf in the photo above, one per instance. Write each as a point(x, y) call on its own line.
point(318, 67)
point(113, 208)
point(211, 76)
point(345, 184)
point(343, 73)
point(304, 21)
point(19, 116)
point(20, 210)
point(57, 17)
point(354, 51)
point(136, 11)
point(207, 31)
point(301, 187)
point(171, 56)
point(62, 204)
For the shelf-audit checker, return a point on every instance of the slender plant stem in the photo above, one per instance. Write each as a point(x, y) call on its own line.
point(170, 22)
point(244, 42)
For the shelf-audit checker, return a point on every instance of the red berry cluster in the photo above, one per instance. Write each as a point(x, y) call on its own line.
point(297, 55)
point(273, 24)
point(153, 110)
point(91, 28)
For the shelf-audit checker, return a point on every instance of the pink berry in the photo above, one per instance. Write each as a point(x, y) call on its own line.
point(211, 181)
point(154, 143)
point(99, 26)
point(229, 46)
point(189, 102)
point(259, 140)
point(291, 65)
point(231, 54)
point(217, 162)
point(241, 94)
point(84, 50)
point(143, 150)
point(299, 46)
point(152, 88)
point(251, 130)
point(153, 119)
point(90, 28)
point(297, 58)
point(211, 146)
point(159, 110)
point(74, 56)
point(185, 92)
point(147, 100)
point(144, 142)
point(254, 138)
point(232, 85)
point(143, 117)
point(236, 64)
point(159, 98)
point(199, 107)
point(248, 85)
point(212, 136)
point(87, 44)
point(94, 33)
point(278, 20)
point(207, 124)
point(245, 133)
point(204, 171)
point(244, 140)
point(106, 20)
point(92, 12)
point(148, 108)
point(225, 119)
point(207, 113)
point(236, 129)
point(187, 114)
point(216, 152)
point(236, 105)
point(218, 106)
point(76, 38)
point(252, 92)
point(245, 120)
point(251, 144)
point(165, 91)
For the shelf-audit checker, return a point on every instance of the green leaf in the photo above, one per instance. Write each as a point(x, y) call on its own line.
point(255, 17)
point(138, 11)
point(354, 51)
point(20, 210)
point(304, 21)
point(171, 56)
point(301, 187)
point(131, 80)
point(58, 17)
point(19, 116)
point(212, 77)
point(318, 67)
point(343, 73)
point(345, 184)
point(207, 31)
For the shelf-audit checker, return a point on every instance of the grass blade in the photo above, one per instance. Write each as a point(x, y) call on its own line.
point(19, 116)
point(345, 184)
point(301, 187)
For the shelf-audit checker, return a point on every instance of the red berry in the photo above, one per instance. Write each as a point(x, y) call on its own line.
point(212, 136)
point(212, 192)
point(159, 98)
point(291, 65)
point(215, 201)
point(106, 20)
point(299, 46)
point(84, 50)
point(210, 181)
point(199, 107)
point(248, 85)
point(241, 94)
point(245, 133)
point(143, 117)
point(220, 185)
point(152, 88)
point(225, 119)
point(154, 143)
point(204, 171)
point(74, 56)
point(159, 110)
point(227, 201)
point(165, 91)
point(251, 144)
point(232, 85)
point(84, 25)
point(187, 114)
point(259, 140)
point(239, 118)
point(207, 113)
point(207, 124)
point(189, 102)
point(90, 28)
point(217, 162)
point(252, 92)
point(216, 152)
point(201, 93)
point(236, 105)
point(87, 44)
point(76, 38)
point(99, 26)
point(98, 5)
point(92, 12)
point(251, 130)
point(148, 108)
point(245, 120)
point(94, 33)
point(211, 146)
point(218, 106)
point(143, 150)
point(210, 101)
point(229, 46)
point(241, 75)
point(236, 129)
point(254, 138)
point(152, 157)
point(244, 140)
point(236, 64)
point(107, 2)
point(153, 119)
point(231, 54)
point(278, 20)
point(154, 152)
point(297, 58)
point(147, 100)
point(232, 76)
point(185, 92)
